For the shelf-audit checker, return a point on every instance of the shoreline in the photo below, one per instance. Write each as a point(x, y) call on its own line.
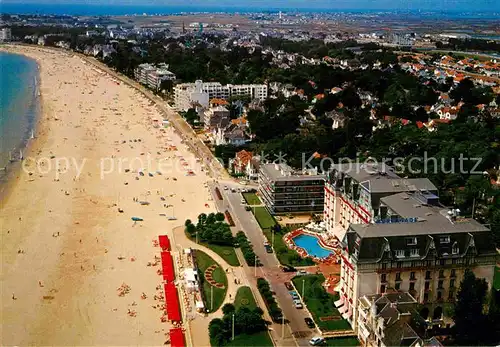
point(10, 174)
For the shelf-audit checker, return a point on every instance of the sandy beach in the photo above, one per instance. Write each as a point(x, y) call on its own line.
point(68, 241)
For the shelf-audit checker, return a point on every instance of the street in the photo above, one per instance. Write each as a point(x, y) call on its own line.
point(270, 269)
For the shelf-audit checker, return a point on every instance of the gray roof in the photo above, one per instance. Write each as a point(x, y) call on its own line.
point(385, 184)
point(365, 171)
point(283, 172)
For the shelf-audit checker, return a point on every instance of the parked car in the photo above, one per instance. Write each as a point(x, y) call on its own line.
point(288, 285)
point(269, 249)
point(298, 304)
point(248, 208)
point(316, 341)
point(294, 295)
point(243, 201)
point(309, 322)
point(288, 269)
point(225, 188)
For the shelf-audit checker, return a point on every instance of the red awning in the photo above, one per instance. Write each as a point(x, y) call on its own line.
point(164, 242)
point(176, 337)
point(172, 301)
point(167, 264)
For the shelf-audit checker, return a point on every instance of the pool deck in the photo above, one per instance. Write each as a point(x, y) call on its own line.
point(334, 247)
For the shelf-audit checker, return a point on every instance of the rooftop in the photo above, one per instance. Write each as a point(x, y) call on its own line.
point(283, 172)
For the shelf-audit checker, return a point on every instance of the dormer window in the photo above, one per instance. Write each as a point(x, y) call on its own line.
point(444, 239)
point(411, 241)
point(414, 252)
point(455, 249)
point(400, 253)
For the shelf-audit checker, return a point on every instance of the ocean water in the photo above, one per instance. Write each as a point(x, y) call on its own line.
point(256, 6)
point(19, 103)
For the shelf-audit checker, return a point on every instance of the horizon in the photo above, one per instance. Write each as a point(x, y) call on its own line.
point(487, 6)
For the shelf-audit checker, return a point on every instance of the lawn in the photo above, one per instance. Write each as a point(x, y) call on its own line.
point(342, 341)
point(244, 298)
point(226, 252)
point(252, 199)
point(266, 221)
point(496, 278)
point(204, 261)
point(320, 303)
point(261, 339)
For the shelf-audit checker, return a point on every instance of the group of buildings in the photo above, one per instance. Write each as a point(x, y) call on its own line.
point(153, 76)
point(199, 93)
point(401, 248)
point(5, 35)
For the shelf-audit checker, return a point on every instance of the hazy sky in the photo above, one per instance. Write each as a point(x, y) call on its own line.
point(454, 5)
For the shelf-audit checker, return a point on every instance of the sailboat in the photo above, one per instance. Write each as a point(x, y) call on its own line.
point(32, 134)
point(173, 215)
point(10, 157)
point(21, 155)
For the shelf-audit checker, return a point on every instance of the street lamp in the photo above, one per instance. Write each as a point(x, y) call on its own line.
point(303, 286)
point(232, 329)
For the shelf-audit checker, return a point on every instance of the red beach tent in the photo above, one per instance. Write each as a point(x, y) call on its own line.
point(164, 242)
point(176, 337)
point(167, 264)
point(172, 301)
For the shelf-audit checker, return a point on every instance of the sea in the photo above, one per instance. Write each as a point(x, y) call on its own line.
point(19, 105)
point(82, 9)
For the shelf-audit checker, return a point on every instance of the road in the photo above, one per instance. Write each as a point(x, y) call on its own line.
point(270, 270)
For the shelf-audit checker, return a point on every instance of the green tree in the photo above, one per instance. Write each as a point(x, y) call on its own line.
point(228, 309)
point(469, 311)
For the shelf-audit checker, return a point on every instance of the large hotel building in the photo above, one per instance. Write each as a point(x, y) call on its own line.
point(397, 237)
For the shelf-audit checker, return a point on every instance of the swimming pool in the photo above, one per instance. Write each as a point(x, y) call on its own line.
point(311, 245)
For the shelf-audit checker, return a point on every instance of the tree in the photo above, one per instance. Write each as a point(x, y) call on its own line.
point(469, 311)
point(228, 309)
point(219, 216)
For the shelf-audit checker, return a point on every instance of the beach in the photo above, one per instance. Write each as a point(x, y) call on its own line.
point(101, 156)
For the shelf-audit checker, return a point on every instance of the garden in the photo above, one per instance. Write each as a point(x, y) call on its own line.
point(250, 329)
point(212, 277)
point(320, 303)
point(214, 234)
point(252, 199)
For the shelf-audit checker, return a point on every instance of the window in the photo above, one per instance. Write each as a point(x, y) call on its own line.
point(398, 276)
point(451, 295)
point(453, 273)
point(452, 283)
point(383, 278)
point(412, 276)
point(440, 284)
point(444, 239)
point(441, 273)
point(426, 296)
point(397, 286)
point(382, 289)
point(411, 241)
point(414, 252)
point(454, 249)
point(439, 295)
point(427, 285)
point(384, 266)
point(427, 275)
point(412, 285)
point(399, 265)
point(400, 253)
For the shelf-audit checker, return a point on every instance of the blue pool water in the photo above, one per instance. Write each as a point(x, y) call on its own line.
point(311, 245)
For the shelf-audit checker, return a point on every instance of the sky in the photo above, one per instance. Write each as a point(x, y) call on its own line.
point(425, 5)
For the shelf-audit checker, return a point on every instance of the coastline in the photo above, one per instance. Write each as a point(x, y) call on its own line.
point(10, 173)
point(65, 247)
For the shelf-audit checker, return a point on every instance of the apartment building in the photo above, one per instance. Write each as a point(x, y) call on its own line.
point(5, 35)
point(353, 192)
point(187, 94)
point(414, 245)
point(284, 190)
point(216, 117)
point(153, 76)
point(391, 320)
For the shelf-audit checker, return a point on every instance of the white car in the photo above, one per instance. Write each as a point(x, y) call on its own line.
point(315, 341)
point(297, 303)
